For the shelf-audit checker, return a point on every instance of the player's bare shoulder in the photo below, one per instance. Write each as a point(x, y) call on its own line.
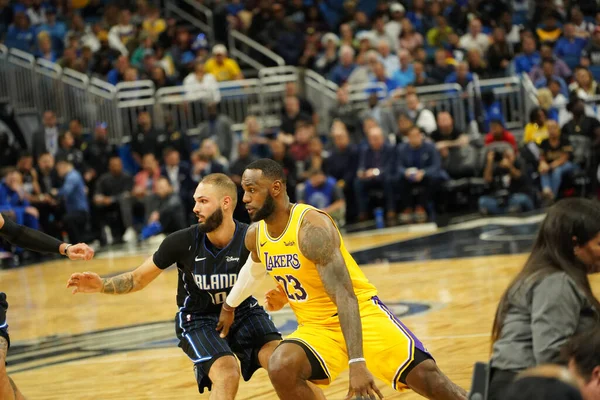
point(250, 239)
point(317, 237)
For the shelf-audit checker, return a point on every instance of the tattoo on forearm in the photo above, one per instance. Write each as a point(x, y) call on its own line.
point(3, 349)
point(120, 284)
point(317, 244)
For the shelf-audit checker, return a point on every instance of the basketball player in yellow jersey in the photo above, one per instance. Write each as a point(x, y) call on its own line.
point(341, 320)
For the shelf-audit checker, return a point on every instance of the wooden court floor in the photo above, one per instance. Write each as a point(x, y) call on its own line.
point(462, 295)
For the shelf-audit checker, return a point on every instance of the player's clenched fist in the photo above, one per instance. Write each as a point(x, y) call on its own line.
point(275, 299)
point(86, 282)
point(80, 251)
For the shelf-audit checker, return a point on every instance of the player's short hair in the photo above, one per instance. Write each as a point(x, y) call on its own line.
point(223, 183)
point(271, 169)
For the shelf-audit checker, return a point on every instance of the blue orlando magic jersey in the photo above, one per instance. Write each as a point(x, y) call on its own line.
point(205, 274)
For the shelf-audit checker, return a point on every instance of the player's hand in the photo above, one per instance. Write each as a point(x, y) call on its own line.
point(80, 251)
point(87, 282)
point(362, 384)
point(225, 320)
point(275, 299)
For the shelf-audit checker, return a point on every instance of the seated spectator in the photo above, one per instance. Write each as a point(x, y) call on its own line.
point(207, 160)
point(536, 130)
point(47, 206)
point(222, 67)
point(547, 382)
point(323, 192)
point(548, 74)
point(300, 148)
point(174, 138)
point(280, 154)
point(345, 112)
point(477, 64)
point(56, 29)
point(245, 158)
point(153, 23)
point(553, 102)
point(112, 202)
point(550, 300)
point(120, 34)
point(591, 52)
point(73, 194)
point(13, 199)
point(492, 109)
point(498, 133)
point(584, 85)
point(529, 58)
point(342, 70)
point(580, 123)
point(406, 74)
point(342, 162)
point(44, 50)
point(422, 117)
point(378, 33)
point(178, 173)
point(363, 73)
point(390, 61)
point(291, 116)
point(29, 178)
point(380, 76)
point(582, 353)
point(145, 140)
point(381, 114)
point(69, 151)
point(256, 138)
point(183, 56)
point(438, 35)
point(80, 137)
point(117, 74)
point(447, 137)
point(104, 58)
point(441, 68)
point(316, 158)
point(569, 45)
point(145, 180)
point(20, 34)
point(418, 170)
point(507, 186)
point(500, 53)
point(462, 76)
point(327, 59)
point(291, 89)
point(159, 77)
point(475, 38)
point(394, 26)
point(98, 152)
point(376, 168)
point(347, 36)
point(409, 38)
point(549, 32)
point(168, 213)
point(218, 128)
point(555, 160)
point(405, 124)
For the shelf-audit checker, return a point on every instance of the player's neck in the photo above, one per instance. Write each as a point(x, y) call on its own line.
point(221, 236)
point(278, 221)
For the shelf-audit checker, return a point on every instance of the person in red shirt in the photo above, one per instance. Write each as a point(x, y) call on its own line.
point(498, 133)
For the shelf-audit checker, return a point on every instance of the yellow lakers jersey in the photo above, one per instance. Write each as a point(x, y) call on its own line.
point(299, 277)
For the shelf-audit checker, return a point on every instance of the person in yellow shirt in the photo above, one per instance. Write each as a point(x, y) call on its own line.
point(341, 321)
point(154, 24)
point(535, 130)
point(222, 67)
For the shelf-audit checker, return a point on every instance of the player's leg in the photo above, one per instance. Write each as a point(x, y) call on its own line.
point(8, 389)
point(427, 380)
point(290, 371)
point(215, 366)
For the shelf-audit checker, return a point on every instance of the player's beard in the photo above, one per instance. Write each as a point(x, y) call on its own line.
point(212, 222)
point(266, 210)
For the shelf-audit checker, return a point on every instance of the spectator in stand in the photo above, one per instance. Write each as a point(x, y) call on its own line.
point(581, 124)
point(181, 52)
point(555, 160)
point(394, 26)
point(45, 48)
point(381, 114)
point(105, 57)
point(447, 137)
point(406, 74)
point(323, 192)
point(583, 28)
point(591, 53)
point(508, 189)
point(291, 89)
point(569, 45)
point(81, 139)
point(584, 84)
point(145, 182)
point(178, 173)
point(299, 149)
point(548, 74)
point(417, 15)
point(441, 68)
point(376, 169)
point(97, 154)
point(117, 74)
point(120, 34)
point(112, 202)
point(341, 72)
point(498, 133)
point(160, 78)
point(222, 67)
point(391, 62)
point(279, 154)
point(409, 38)
point(342, 162)
point(475, 38)
point(47, 206)
point(492, 109)
point(203, 163)
point(70, 152)
point(36, 12)
point(316, 156)
point(328, 58)
point(582, 353)
point(529, 58)
point(245, 158)
point(168, 213)
point(29, 176)
point(73, 194)
point(500, 53)
point(347, 36)
point(46, 140)
point(13, 199)
point(254, 135)
point(549, 31)
point(380, 76)
point(290, 117)
point(145, 140)
point(536, 130)
point(418, 169)
point(560, 67)
point(421, 116)
point(153, 24)
point(438, 35)
point(218, 128)
point(20, 34)
point(346, 112)
point(421, 78)
point(378, 32)
point(554, 108)
point(476, 66)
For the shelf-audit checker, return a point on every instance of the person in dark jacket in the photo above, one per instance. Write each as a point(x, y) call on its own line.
point(168, 215)
point(419, 167)
point(550, 300)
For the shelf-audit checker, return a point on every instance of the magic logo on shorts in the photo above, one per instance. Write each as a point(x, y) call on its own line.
point(281, 261)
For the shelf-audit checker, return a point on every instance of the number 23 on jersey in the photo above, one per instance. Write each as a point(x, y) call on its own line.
point(292, 286)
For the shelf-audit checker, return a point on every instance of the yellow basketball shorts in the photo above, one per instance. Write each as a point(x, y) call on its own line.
point(389, 346)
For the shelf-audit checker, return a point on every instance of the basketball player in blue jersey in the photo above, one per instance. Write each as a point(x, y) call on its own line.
point(209, 257)
point(34, 240)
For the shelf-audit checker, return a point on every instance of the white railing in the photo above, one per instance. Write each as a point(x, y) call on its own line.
point(206, 26)
point(242, 48)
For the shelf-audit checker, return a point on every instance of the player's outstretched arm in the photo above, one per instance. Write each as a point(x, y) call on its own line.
point(35, 240)
point(319, 241)
point(90, 282)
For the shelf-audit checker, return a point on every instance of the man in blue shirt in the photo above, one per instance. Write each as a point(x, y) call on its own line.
point(344, 67)
point(323, 192)
point(73, 193)
point(529, 58)
point(569, 46)
point(20, 34)
point(406, 74)
point(548, 75)
point(56, 29)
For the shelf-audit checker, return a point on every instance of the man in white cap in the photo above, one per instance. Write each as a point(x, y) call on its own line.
point(393, 28)
point(222, 67)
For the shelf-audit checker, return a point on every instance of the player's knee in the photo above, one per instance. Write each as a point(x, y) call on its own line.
point(224, 369)
point(283, 366)
point(426, 371)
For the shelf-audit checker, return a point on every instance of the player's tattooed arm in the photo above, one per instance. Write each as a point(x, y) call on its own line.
point(119, 284)
point(319, 241)
point(250, 242)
